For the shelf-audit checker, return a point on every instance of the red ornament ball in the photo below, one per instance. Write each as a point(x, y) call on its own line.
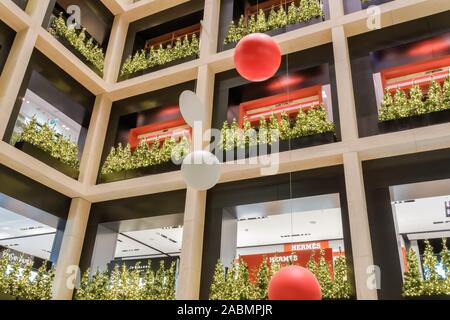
point(257, 57)
point(294, 283)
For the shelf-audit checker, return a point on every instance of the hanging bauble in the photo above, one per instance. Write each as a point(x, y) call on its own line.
point(201, 170)
point(294, 283)
point(257, 57)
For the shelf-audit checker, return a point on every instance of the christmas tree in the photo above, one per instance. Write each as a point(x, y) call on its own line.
point(223, 144)
point(341, 288)
point(84, 290)
point(301, 124)
point(293, 15)
point(446, 93)
point(242, 288)
point(272, 22)
point(219, 284)
point(416, 103)
point(261, 25)
point(322, 273)
point(262, 281)
point(240, 29)
point(4, 263)
point(251, 136)
point(445, 259)
point(251, 24)
point(281, 17)
point(149, 279)
point(285, 126)
point(263, 132)
point(315, 9)
point(387, 107)
point(435, 100)
point(412, 284)
point(273, 133)
point(432, 283)
point(401, 107)
point(305, 12)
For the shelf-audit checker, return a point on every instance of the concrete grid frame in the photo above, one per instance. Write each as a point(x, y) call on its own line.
point(350, 152)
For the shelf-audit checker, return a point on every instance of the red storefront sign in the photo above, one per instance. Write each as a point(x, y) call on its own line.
point(302, 246)
point(300, 258)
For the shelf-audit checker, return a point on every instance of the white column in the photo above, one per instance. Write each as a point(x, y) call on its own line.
point(72, 244)
point(359, 227)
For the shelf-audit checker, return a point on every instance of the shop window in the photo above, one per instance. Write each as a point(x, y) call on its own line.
point(271, 16)
point(357, 5)
point(247, 242)
point(6, 40)
point(297, 108)
point(401, 77)
point(137, 239)
point(422, 227)
point(146, 135)
point(165, 39)
point(51, 116)
point(30, 240)
point(88, 38)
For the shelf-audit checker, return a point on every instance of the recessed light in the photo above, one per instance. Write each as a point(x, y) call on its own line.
point(313, 222)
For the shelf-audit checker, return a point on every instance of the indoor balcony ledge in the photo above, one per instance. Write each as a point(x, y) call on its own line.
point(143, 8)
point(38, 171)
point(136, 187)
point(66, 60)
point(13, 16)
point(155, 80)
point(115, 6)
point(292, 41)
point(392, 13)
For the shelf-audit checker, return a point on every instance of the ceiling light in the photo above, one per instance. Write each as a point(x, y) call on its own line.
point(313, 222)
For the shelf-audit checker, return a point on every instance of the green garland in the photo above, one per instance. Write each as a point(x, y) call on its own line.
point(126, 284)
point(86, 47)
point(310, 122)
point(48, 140)
point(16, 280)
point(234, 283)
point(123, 158)
point(431, 284)
point(156, 57)
point(277, 18)
point(400, 105)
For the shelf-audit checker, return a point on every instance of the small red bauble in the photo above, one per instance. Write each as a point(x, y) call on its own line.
point(257, 57)
point(294, 283)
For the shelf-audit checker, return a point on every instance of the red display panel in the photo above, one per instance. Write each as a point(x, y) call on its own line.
point(158, 132)
point(420, 73)
point(300, 258)
point(286, 102)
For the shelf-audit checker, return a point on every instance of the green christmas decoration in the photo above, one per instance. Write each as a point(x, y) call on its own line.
point(47, 139)
point(446, 93)
point(432, 284)
point(340, 288)
point(413, 282)
point(273, 132)
point(401, 107)
point(142, 60)
point(293, 15)
point(445, 259)
point(263, 132)
point(124, 158)
point(281, 20)
point(251, 136)
point(387, 107)
point(92, 52)
point(261, 25)
point(435, 101)
point(285, 127)
point(218, 285)
point(224, 137)
point(272, 22)
point(322, 273)
point(262, 281)
point(252, 24)
point(416, 103)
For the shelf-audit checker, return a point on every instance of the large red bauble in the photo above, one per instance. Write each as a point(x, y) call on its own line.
point(294, 283)
point(257, 57)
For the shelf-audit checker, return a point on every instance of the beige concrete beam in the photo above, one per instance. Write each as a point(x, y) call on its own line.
point(93, 148)
point(38, 171)
point(359, 226)
point(155, 80)
point(13, 16)
point(344, 84)
point(115, 6)
point(67, 61)
point(145, 8)
point(70, 252)
point(194, 213)
point(116, 45)
point(13, 73)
